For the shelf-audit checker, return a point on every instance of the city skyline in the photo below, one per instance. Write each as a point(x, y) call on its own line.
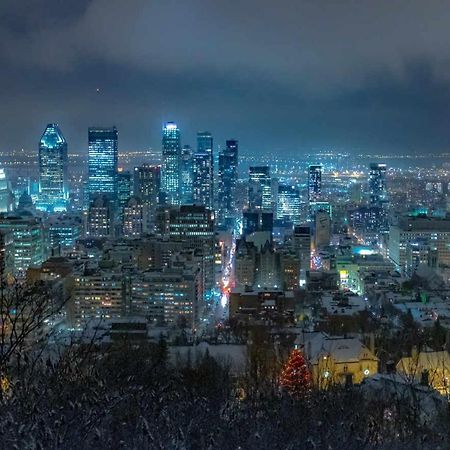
point(304, 89)
point(223, 223)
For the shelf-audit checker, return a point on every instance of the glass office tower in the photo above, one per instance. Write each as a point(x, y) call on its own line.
point(103, 159)
point(171, 161)
point(187, 173)
point(228, 174)
point(259, 188)
point(204, 170)
point(124, 189)
point(288, 204)
point(53, 180)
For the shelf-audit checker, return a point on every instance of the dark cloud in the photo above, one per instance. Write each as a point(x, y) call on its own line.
point(284, 75)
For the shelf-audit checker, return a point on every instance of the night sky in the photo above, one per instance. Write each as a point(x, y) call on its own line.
point(288, 75)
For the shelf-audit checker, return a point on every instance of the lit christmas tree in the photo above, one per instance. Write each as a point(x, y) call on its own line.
point(296, 376)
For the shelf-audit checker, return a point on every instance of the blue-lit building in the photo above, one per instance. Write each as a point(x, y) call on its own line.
point(228, 175)
point(6, 195)
point(288, 204)
point(53, 180)
point(187, 175)
point(171, 161)
point(63, 232)
point(377, 184)
point(124, 189)
point(314, 183)
point(203, 169)
point(259, 188)
point(28, 245)
point(103, 160)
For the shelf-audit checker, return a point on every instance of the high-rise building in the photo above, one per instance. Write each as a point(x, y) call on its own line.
point(124, 190)
point(290, 270)
point(53, 187)
point(6, 195)
point(99, 218)
point(322, 229)
point(147, 184)
point(171, 160)
point(187, 175)
point(103, 159)
point(168, 296)
point(98, 296)
point(377, 184)
point(259, 188)
point(302, 247)
point(253, 221)
point(193, 224)
point(6, 255)
point(431, 231)
point(288, 204)
point(204, 170)
point(63, 232)
point(228, 174)
point(366, 223)
point(315, 183)
point(134, 218)
point(28, 241)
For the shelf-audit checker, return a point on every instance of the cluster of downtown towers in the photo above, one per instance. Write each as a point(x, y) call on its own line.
point(185, 176)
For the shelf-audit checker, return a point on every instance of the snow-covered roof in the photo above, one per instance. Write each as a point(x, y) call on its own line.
point(342, 349)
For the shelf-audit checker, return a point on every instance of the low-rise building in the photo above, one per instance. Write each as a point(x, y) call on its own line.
point(263, 306)
point(337, 360)
point(428, 367)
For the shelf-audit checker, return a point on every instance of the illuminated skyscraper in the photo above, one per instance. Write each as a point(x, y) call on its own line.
point(288, 204)
point(259, 188)
point(171, 161)
point(124, 189)
point(6, 195)
point(28, 248)
point(187, 175)
point(53, 190)
point(103, 157)
point(314, 183)
point(228, 174)
point(377, 184)
point(204, 170)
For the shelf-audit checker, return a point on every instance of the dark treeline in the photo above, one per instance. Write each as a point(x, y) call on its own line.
point(132, 397)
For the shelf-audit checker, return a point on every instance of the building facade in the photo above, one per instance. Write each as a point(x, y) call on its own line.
point(228, 175)
point(53, 179)
point(203, 170)
point(259, 188)
point(103, 162)
point(314, 183)
point(187, 175)
point(171, 161)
